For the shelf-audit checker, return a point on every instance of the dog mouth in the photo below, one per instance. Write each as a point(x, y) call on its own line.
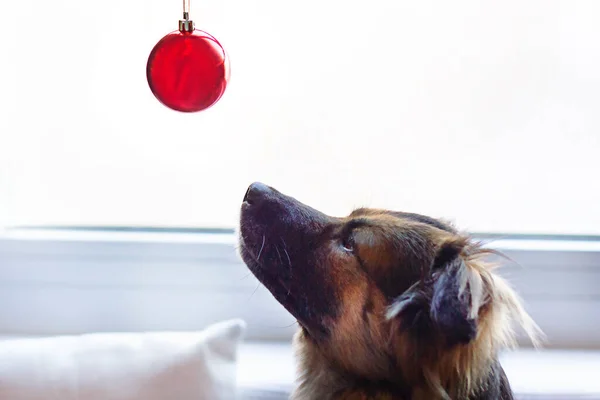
point(274, 280)
point(261, 243)
point(252, 257)
point(262, 236)
point(278, 242)
point(274, 276)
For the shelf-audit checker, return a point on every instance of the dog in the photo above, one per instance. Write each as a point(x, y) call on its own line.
point(390, 305)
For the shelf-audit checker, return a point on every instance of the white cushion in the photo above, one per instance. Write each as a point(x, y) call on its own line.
point(123, 366)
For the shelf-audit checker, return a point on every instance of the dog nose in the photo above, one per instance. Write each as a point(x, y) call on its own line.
point(256, 192)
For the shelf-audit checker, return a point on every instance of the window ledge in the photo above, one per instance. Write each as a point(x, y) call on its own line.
point(61, 281)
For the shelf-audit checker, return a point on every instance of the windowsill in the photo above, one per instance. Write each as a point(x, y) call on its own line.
point(61, 281)
point(269, 369)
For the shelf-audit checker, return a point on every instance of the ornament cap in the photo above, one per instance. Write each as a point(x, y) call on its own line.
point(185, 25)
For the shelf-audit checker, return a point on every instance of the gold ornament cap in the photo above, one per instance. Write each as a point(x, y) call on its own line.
point(185, 25)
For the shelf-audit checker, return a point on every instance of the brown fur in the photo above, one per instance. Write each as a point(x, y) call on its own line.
point(361, 347)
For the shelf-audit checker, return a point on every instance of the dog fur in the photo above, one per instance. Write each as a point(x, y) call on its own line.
point(391, 305)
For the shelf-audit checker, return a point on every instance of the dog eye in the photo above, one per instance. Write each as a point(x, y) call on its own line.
point(348, 244)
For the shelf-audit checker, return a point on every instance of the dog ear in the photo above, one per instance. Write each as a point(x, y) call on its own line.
point(456, 295)
point(442, 305)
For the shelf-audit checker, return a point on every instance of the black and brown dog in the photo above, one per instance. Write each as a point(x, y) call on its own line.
point(391, 305)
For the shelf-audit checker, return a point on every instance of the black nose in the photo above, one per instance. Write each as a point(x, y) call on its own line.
point(257, 192)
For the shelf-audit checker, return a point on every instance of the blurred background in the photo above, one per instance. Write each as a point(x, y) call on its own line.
point(119, 214)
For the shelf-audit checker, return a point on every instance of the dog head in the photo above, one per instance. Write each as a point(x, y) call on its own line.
point(378, 294)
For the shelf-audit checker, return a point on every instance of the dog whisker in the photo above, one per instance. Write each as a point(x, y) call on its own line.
point(289, 265)
point(278, 326)
point(279, 255)
point(257, 286)
point(261, 248)
point(246, 276)
point(287, 326)
point(287, 255)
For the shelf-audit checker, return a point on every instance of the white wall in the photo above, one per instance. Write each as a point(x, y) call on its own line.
point(483, 112)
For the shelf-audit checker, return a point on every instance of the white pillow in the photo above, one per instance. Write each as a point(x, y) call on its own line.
point(123, 366)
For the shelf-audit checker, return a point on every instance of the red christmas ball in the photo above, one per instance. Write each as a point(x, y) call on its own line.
point(188, 71)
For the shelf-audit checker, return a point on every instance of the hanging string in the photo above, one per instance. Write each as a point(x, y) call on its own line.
point(186, 9)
